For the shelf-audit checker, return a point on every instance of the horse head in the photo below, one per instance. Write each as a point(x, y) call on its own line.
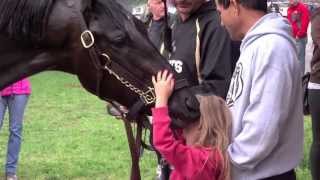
point(100, 42)
point(121, 40)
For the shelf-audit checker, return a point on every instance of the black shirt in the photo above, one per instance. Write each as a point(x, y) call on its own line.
point(218, 53)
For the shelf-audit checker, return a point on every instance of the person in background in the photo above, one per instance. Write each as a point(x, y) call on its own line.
point(14, 98)
point(156, 25)
point(314, 96)
point(273, 8)
point(199, 150)
point(265, 93)
point(298, 16)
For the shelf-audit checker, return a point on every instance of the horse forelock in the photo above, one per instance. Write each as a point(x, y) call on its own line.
point(118, 15)
point(115, 12)
point(25, 20)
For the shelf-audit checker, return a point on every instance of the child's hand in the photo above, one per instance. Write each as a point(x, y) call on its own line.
point(163, 87)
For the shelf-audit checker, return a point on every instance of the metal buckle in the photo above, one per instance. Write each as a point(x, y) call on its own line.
point(87, 39)
point(149, 96)
point(108, 59)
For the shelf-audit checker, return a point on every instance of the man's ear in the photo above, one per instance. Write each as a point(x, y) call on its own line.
point(234, 4)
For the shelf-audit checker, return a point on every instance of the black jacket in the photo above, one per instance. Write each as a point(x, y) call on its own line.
point(315, 34)
point(156, 32)
point(217, 51)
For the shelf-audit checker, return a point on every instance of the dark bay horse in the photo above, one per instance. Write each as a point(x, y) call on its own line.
point(38, 35)
point(96, 40)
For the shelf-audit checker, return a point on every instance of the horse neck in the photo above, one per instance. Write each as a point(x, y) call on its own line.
point(18, 62)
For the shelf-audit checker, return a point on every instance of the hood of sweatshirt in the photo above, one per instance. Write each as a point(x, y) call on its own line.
point(271, 23)
point(206, 7)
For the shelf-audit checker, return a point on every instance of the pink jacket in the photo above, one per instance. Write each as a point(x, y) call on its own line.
point(21, 87)
point(189, 162)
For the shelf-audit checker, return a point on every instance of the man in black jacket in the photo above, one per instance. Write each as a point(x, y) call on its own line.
point(203, 46)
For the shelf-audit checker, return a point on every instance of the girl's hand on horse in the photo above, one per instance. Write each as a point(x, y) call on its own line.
point(163, 86)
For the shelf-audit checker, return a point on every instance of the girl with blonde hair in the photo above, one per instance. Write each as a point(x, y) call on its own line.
point(199, 151)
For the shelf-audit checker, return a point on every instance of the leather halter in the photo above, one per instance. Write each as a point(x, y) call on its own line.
point(129, 80)
point(145, 92)
point(115, 69)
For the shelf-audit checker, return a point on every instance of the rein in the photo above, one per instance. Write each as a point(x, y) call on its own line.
point(167, 29)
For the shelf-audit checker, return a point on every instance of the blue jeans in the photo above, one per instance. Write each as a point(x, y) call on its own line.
point(16, 105)
point(301, 50)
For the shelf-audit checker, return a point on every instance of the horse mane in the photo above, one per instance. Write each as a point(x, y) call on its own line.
point(25, 20)
point(118, 14)
point(113, 9)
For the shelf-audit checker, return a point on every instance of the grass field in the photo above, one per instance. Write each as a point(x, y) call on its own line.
point(68, 135)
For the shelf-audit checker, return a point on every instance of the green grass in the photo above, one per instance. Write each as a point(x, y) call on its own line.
point(68, 135)
point(303, 171)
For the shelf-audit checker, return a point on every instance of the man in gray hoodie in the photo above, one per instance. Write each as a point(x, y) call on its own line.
point(265, 94)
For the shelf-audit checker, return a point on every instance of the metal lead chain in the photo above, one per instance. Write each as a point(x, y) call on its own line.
point(148, 96)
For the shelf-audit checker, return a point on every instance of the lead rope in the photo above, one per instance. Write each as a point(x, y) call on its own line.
point(197, 52)
point(167, 30)
point(135, 170)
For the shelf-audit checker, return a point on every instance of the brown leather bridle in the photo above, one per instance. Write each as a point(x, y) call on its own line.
point(144, 91)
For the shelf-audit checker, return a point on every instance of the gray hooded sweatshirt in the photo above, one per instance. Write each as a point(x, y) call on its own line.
point(265, 98)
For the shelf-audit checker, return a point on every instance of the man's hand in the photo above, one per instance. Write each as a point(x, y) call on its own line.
point(163, 86)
